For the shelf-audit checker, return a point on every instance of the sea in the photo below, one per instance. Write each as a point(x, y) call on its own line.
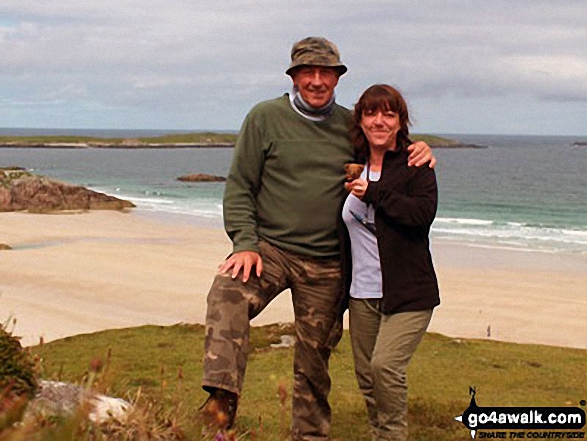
point(520, 192)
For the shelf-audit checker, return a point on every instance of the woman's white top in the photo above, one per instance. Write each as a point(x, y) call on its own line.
point(366, 275)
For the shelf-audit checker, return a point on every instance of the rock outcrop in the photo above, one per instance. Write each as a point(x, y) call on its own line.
point(65, 399)
point(23, 191)
point(201, 177)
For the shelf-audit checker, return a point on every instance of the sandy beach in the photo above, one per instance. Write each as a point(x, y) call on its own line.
point(83, 272)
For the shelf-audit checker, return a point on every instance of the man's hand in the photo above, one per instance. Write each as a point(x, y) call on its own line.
point(420, 154)
point(244, 260)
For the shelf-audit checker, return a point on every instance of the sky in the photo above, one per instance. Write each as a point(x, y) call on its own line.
point(464, 66)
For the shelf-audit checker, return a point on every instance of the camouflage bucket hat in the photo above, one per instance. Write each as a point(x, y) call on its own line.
point(315, 51)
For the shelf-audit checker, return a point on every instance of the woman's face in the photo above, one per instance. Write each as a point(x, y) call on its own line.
point(380, 128)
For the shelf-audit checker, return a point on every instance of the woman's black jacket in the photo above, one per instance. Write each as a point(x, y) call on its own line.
point(405, 200)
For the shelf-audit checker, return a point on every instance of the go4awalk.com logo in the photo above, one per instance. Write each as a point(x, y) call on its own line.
point(523, 422)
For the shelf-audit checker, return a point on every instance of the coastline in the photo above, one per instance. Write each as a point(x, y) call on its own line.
point(79, 273)
point(174, 141)
point(179, 146)
point(84, 145)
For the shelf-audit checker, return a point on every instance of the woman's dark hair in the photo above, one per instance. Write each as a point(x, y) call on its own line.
point(379, 97)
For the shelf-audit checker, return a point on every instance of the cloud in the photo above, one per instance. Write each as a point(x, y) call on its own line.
point(206, 56)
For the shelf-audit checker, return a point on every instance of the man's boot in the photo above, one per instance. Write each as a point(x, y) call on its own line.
point(219, 410)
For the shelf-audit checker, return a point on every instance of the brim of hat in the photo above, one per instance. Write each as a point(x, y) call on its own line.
point(340, 68)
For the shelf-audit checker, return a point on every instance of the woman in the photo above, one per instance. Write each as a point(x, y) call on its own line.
point(388, 267)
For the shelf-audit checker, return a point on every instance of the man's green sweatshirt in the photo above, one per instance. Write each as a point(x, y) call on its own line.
point(285, 184)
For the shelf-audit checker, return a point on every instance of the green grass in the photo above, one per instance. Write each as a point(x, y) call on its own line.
point(150, 358)
point(50, 139)
point(433, 140)
point(209, 137)
point(200, 137)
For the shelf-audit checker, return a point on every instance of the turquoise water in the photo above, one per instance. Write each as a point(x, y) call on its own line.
point(521, 192)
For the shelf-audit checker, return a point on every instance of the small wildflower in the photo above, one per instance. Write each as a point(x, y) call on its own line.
point(282, 392)
point(96, 365)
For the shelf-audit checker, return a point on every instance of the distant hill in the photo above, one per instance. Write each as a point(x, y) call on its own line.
point(200, 139)
point(439, 142)
point(185, 140)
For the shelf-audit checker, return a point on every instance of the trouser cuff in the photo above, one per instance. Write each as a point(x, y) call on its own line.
point(210, 385)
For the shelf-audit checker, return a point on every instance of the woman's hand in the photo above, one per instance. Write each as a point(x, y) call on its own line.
point(358, 187)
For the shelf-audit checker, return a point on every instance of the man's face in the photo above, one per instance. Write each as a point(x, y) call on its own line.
point(315, 83)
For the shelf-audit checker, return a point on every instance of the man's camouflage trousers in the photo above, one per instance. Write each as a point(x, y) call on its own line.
point(317, 298)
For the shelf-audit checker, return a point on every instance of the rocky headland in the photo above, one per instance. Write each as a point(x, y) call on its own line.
point(201, 177)
point(187, 140)
point(457, 145)
point(21, 190)
point(438, 142)
point(125, 144)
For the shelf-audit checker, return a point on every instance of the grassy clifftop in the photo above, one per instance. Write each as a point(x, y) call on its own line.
point(164, 364)
point(199, 139)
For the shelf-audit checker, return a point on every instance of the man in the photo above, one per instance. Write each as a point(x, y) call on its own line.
point(281, 207)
